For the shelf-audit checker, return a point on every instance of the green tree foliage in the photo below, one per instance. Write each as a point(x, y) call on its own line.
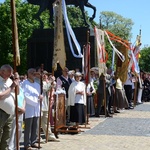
point(26, 24)
point(144, 59)
point(116, 24)
point(75, 17)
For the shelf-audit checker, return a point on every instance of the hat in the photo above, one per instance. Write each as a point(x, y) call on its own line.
point(95, 70)
point(71, 72)
point(78, 74)
point(47, 73)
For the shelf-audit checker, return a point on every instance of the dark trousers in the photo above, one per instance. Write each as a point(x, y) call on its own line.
point(30, 132)
point(100, 98)
point(5, 129)
point(128, 91)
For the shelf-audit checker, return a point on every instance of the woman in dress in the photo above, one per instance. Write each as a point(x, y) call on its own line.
point(77, 100)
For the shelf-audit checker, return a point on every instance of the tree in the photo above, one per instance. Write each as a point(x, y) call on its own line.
point(116, 24)
point(75, 17)
point(144, 59)
point(26, 24)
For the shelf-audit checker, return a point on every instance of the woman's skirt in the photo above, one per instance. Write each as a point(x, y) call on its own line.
point(77, 113)
point(121, 101)
point(90, 106)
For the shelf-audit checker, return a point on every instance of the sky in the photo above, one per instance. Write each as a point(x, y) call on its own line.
point(137, 10)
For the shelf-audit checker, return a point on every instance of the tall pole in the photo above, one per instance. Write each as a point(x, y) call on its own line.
point(88, 69)
point(41, 85)
point(49, 108)
point(16, 60)
point(105, 101)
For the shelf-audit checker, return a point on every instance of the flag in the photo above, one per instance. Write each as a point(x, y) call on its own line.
point(59, 55)
point(101, 53)
point(87, 63)
point(135, 55)
point(135, 65)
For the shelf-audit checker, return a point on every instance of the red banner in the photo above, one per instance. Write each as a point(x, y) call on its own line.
point(87, 63)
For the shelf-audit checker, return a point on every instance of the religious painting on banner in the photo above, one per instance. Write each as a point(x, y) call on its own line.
point(122, 67)
point(101, 53)
point(59, 55)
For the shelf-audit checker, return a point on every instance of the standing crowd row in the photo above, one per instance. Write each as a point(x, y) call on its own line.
point(31, 91)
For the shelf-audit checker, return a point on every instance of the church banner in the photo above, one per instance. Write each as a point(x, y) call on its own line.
point(101, 53)
point(59, 55)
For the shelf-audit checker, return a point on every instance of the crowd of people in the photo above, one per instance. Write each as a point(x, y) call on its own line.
point(102, 95)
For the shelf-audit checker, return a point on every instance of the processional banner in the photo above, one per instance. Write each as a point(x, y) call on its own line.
point(101, 53)
point(59, 55)
point(135, 56)
point(87, 63)
point(122, 67)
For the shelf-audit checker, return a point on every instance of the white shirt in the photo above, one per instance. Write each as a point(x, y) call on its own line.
point(45, 101)
point(76, 98)
point(89, 86)
point(59, 82)
point(31, 93)
point(119, 84)
point(7, 102)
point(128, 81)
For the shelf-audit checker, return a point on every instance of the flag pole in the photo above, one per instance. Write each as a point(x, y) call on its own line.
point(41, 86)
point(86, 69)
point(16, 60)
point(49, 108)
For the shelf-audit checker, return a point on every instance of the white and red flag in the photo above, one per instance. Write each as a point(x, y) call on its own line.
point(102, 55)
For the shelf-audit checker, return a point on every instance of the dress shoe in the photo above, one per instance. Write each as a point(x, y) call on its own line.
point(116, 111)
point(138, 103)
point(35, 146)
point(108, 115)
point(53, 138)
point(42, 141)
point(131, 107)
point(97, 116)
point(28, 148)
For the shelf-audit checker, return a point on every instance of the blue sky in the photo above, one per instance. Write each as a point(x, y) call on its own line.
point(137, 10)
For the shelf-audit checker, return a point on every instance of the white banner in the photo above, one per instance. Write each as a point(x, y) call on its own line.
point(99, 34)
point(70, 33)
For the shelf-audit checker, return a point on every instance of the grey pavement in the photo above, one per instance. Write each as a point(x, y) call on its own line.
point(128, 130)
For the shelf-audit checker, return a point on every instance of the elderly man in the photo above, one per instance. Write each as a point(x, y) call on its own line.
point(33, 97)
point(45, 103)
point(7, 105)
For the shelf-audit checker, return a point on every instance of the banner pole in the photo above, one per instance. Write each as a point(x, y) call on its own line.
point(49, 109)
point(41, 86)
point(16, 61)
